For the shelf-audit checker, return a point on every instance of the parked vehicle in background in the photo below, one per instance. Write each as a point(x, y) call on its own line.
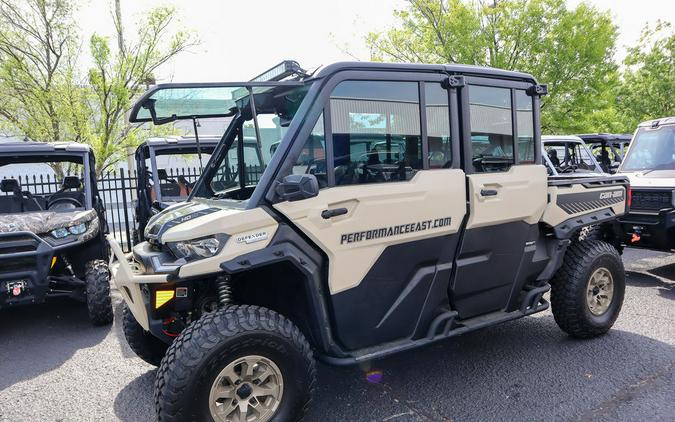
point(157, 188)
point(52, 243)
point(566, 154)
point(609, 149)
point(404, 204)
point(650, 166)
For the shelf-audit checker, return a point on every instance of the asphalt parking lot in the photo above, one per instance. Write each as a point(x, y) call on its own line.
point(54, 366)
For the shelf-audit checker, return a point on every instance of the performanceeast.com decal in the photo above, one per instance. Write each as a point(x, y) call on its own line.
point(394, 230)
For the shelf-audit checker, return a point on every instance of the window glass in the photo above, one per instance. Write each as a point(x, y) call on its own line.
point(525, 120)
point(491, 128)
point(312, 158)
point(376, 131)
point(438, 125)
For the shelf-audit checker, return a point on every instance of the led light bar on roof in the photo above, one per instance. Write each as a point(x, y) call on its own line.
point(281, 71)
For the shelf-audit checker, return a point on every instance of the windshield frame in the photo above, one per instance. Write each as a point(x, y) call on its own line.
point(634, 145)
point(143, 101)
point(568, 142)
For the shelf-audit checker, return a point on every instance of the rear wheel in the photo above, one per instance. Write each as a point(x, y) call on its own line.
point(587, 291)
point(145, 345)
point(241, 363)
point(97, 286)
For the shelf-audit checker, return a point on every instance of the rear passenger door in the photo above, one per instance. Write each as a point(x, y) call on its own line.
point(507, 193)
point(389, 216)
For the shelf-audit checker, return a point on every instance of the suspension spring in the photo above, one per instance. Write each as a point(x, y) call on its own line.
point(224, 290)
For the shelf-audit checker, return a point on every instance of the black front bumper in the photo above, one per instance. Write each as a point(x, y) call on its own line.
point(25, 258)
point(655, 230)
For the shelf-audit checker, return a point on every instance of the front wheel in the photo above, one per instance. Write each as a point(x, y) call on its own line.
point(145, 345)
point(97, 286)
point(587, 291)
point(241, 363)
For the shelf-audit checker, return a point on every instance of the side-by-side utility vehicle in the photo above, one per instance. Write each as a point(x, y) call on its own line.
point(564, 154)
point(52, 241)
point(166, 170)
point(405, 204)
point(650, 166)
point(608, 148)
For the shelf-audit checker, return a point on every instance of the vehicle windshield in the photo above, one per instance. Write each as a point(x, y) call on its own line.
point(570, 157)
point(651, 149)
point(176, 174)
point(39, 183)
point(241, 159)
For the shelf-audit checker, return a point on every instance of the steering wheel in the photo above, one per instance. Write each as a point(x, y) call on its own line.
point(64, 199)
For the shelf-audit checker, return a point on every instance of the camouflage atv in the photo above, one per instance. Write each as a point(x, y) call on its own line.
point(52, 240)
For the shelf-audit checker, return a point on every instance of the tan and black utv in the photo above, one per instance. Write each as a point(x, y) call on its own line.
point(404, 204)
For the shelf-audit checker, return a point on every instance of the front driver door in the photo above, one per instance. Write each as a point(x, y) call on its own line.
point(389, 218)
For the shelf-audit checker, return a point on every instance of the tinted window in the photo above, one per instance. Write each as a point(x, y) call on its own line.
point(491, 128)
point(376, 131)
point(525, 120)
point(438, 125)
point(312, 158)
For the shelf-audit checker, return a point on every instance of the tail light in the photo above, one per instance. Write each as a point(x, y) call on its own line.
point(629, 197)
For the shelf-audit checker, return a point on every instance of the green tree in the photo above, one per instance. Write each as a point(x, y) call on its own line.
point(36, 58)
point(571, 50)
point(649, 77)
point(44, 96)
point(122, 73)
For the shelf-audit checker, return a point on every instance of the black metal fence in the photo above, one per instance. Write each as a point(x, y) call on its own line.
point(117, 190)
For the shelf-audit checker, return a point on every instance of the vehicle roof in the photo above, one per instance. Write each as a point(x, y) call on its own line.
point(12, 144)
point(659, 122)
point(419, 67)
point(594, 137)
point(561, 138)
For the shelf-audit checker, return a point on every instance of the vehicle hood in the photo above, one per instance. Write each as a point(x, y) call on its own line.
point(182, 213)
point(653, 179)
point(42, 222)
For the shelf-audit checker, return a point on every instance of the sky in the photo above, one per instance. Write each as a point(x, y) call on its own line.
point(240, 39)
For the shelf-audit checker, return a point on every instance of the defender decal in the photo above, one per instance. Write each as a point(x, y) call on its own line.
point(394, 230)
point(252, 238)
point(587, 201)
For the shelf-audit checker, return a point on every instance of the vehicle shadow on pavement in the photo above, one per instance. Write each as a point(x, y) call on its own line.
point(525, 370)
point(135, 401)
point(37, 339)
point(663, 288)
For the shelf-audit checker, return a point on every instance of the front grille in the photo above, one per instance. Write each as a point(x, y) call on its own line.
point(18, 264)
point(652, 200)
point(12, 243)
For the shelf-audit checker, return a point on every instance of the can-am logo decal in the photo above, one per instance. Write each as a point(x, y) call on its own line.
point(252, 238)
point(394, 230)
point(611, 194)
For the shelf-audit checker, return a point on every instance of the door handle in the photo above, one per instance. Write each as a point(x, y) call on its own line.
point(326, 214)
point(488, 192)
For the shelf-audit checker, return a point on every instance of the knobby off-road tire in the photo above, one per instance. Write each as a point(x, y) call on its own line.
point(97, 289)
point(210, 346)
point(145, 345)
point(587, 264)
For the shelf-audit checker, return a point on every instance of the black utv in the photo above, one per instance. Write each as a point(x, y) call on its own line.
point(52, 240)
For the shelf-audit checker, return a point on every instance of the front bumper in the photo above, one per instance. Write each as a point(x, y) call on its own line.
point(131, 282)
point(656, 230)
point(24, 258)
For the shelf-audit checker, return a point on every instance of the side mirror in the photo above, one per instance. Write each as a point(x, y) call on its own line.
point(298, 186)
point(159, 206)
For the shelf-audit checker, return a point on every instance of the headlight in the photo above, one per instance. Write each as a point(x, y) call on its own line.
point(195, 249)
point(60, 233)
point(65, 231)
point(79, 229)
